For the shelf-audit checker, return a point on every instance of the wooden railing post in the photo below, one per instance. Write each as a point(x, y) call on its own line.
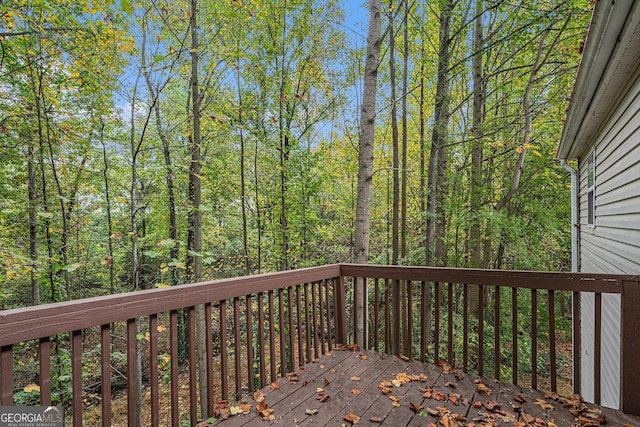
point(630, 348)
point(340, 314)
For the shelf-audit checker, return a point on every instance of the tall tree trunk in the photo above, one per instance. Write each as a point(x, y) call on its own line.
point(107, 194)
point(405, 178)
point(33, 225)
point(403, 197)
point(395, 166)
point(439, 135)
point(243, 184)
point(194, 238)
point(133, 215)
point(365, 160)
point(475, 238)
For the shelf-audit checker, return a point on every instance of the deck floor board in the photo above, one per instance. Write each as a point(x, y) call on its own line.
point(340, 372)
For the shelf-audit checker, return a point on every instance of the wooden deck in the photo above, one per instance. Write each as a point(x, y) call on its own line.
point(367, 388)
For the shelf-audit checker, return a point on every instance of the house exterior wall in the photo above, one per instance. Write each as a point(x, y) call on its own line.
point(612, 245)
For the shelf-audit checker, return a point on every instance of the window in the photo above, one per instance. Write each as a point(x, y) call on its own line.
point(591, 189)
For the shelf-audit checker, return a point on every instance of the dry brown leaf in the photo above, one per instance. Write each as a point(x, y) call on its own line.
point(527, 418)
point(376, 420)
point(362, 357)
point(221, 410)
point(274, 386)
point(454, 398)
point(450, 384)
point(258, 396)
point(356, 391)
point(415, 407)
point(492, 405)
point(438, 396)
point(322, 397)
point(395, 399)
point(405, 358)
point(433, 412)
point(396, 404)
point(482, 388)
point(543, 404)
point(319, 390)
point(352, 418)
point(311, 411)
point(476, 404)
point(508, 417)
point(326, 382)
point(265, 412)
point(551, 423)
point(519, 398)
point(354, 378)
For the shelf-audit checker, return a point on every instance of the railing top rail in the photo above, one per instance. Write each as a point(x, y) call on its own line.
point(35, 322)
point(564, 281)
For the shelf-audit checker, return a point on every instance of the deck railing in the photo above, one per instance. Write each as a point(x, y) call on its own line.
point(259, 328)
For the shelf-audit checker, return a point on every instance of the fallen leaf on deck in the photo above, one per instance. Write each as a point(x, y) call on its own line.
point(551, 395)
point(274, 386)
point(492, 405)
point(438, 396)
point(396, 404)
point(265, 412)
point(258, 396)
point(395, 399)
point(356, 391)
point(519, 398)
point(235, 410)
point(354, 378)
point(454, 398)
point(221, 410)
point(527, 418)
point(543, 404)
point(323, 397)
point(450, 384)
point(352, 418)
point(326, 381)
point(433, 412)
point(377, 420)
point(319, 390)
point(363, 356)
point(508, 417)
point(482, 388)
point(415, 407)
point(311, 411)
point(551, 424)
point(476, 404)
point(405, 358)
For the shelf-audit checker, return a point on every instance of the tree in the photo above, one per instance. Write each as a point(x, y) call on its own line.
point(365, 159)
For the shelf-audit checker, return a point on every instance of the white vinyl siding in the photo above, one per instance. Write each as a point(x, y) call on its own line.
point(612, 244)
